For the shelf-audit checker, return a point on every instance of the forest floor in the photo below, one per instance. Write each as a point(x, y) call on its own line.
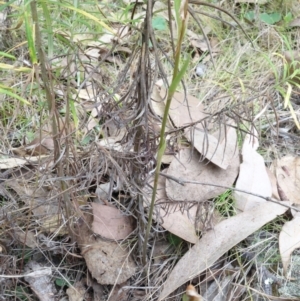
point(82, 95)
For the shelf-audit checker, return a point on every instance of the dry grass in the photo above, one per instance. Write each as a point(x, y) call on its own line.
point(44, 203)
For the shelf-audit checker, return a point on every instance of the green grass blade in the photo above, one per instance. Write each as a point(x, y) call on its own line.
point(11, 94)
point(48, 24)
point(90, 16)
point(29, 34)
point(9, 56)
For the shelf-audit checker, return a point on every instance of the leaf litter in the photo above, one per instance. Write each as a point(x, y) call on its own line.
point(109, 222)
point(190, 166)
point(108, 261)
point(202, 153)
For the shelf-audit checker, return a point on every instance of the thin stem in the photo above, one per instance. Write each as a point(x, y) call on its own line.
point(162, 141)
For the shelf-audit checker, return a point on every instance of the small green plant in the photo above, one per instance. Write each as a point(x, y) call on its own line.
point(61, 282)
point(22, 293)
point(181, 18)
point(224, 204)
point(185, 297)
point(268, 18)
point(287, 18)
point(159, 23)
point(174, 240)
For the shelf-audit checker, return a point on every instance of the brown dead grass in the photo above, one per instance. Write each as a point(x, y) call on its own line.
point(241, 85)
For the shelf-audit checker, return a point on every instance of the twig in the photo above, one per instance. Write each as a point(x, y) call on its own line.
point(35, 274)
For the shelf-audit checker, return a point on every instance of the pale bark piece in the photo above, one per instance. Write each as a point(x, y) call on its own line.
point(43, 286)
point(188, 166)
point(184, 110)
point(219, 150)
point(289, 240)
point(109, 262)
point(252, 178)
point(109, 222)
point(218, 241)
point(288, 177)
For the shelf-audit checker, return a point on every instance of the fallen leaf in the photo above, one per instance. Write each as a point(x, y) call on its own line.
point(218, 241)
point(295, 22)
point(109, 262)
point(253, 176)
point(184, 109)
point(179, 222)
point(7, 163)
point(109, 222)
point(200, 44)
point(28, 238)
point(219, 148)
point(188, 166)
point(289, 240)
point(48, 214)
point(288, 177)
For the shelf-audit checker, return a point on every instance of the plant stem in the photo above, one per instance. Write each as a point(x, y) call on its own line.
point(177, 76)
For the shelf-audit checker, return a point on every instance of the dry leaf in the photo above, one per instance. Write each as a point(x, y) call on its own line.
point(295, 22)
point(181, 219)
point(289, 240)
point(288, 177)
point(188, 167)
point(109, 222)
point(253, 176)
point(48, 214)
point(176, 221)
point(158, 107)
point(184, 110)
point(219, 148)
point(218, 241)
point(109, 262)
point(28, 238)
point(200, 44)
point(7, 163)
